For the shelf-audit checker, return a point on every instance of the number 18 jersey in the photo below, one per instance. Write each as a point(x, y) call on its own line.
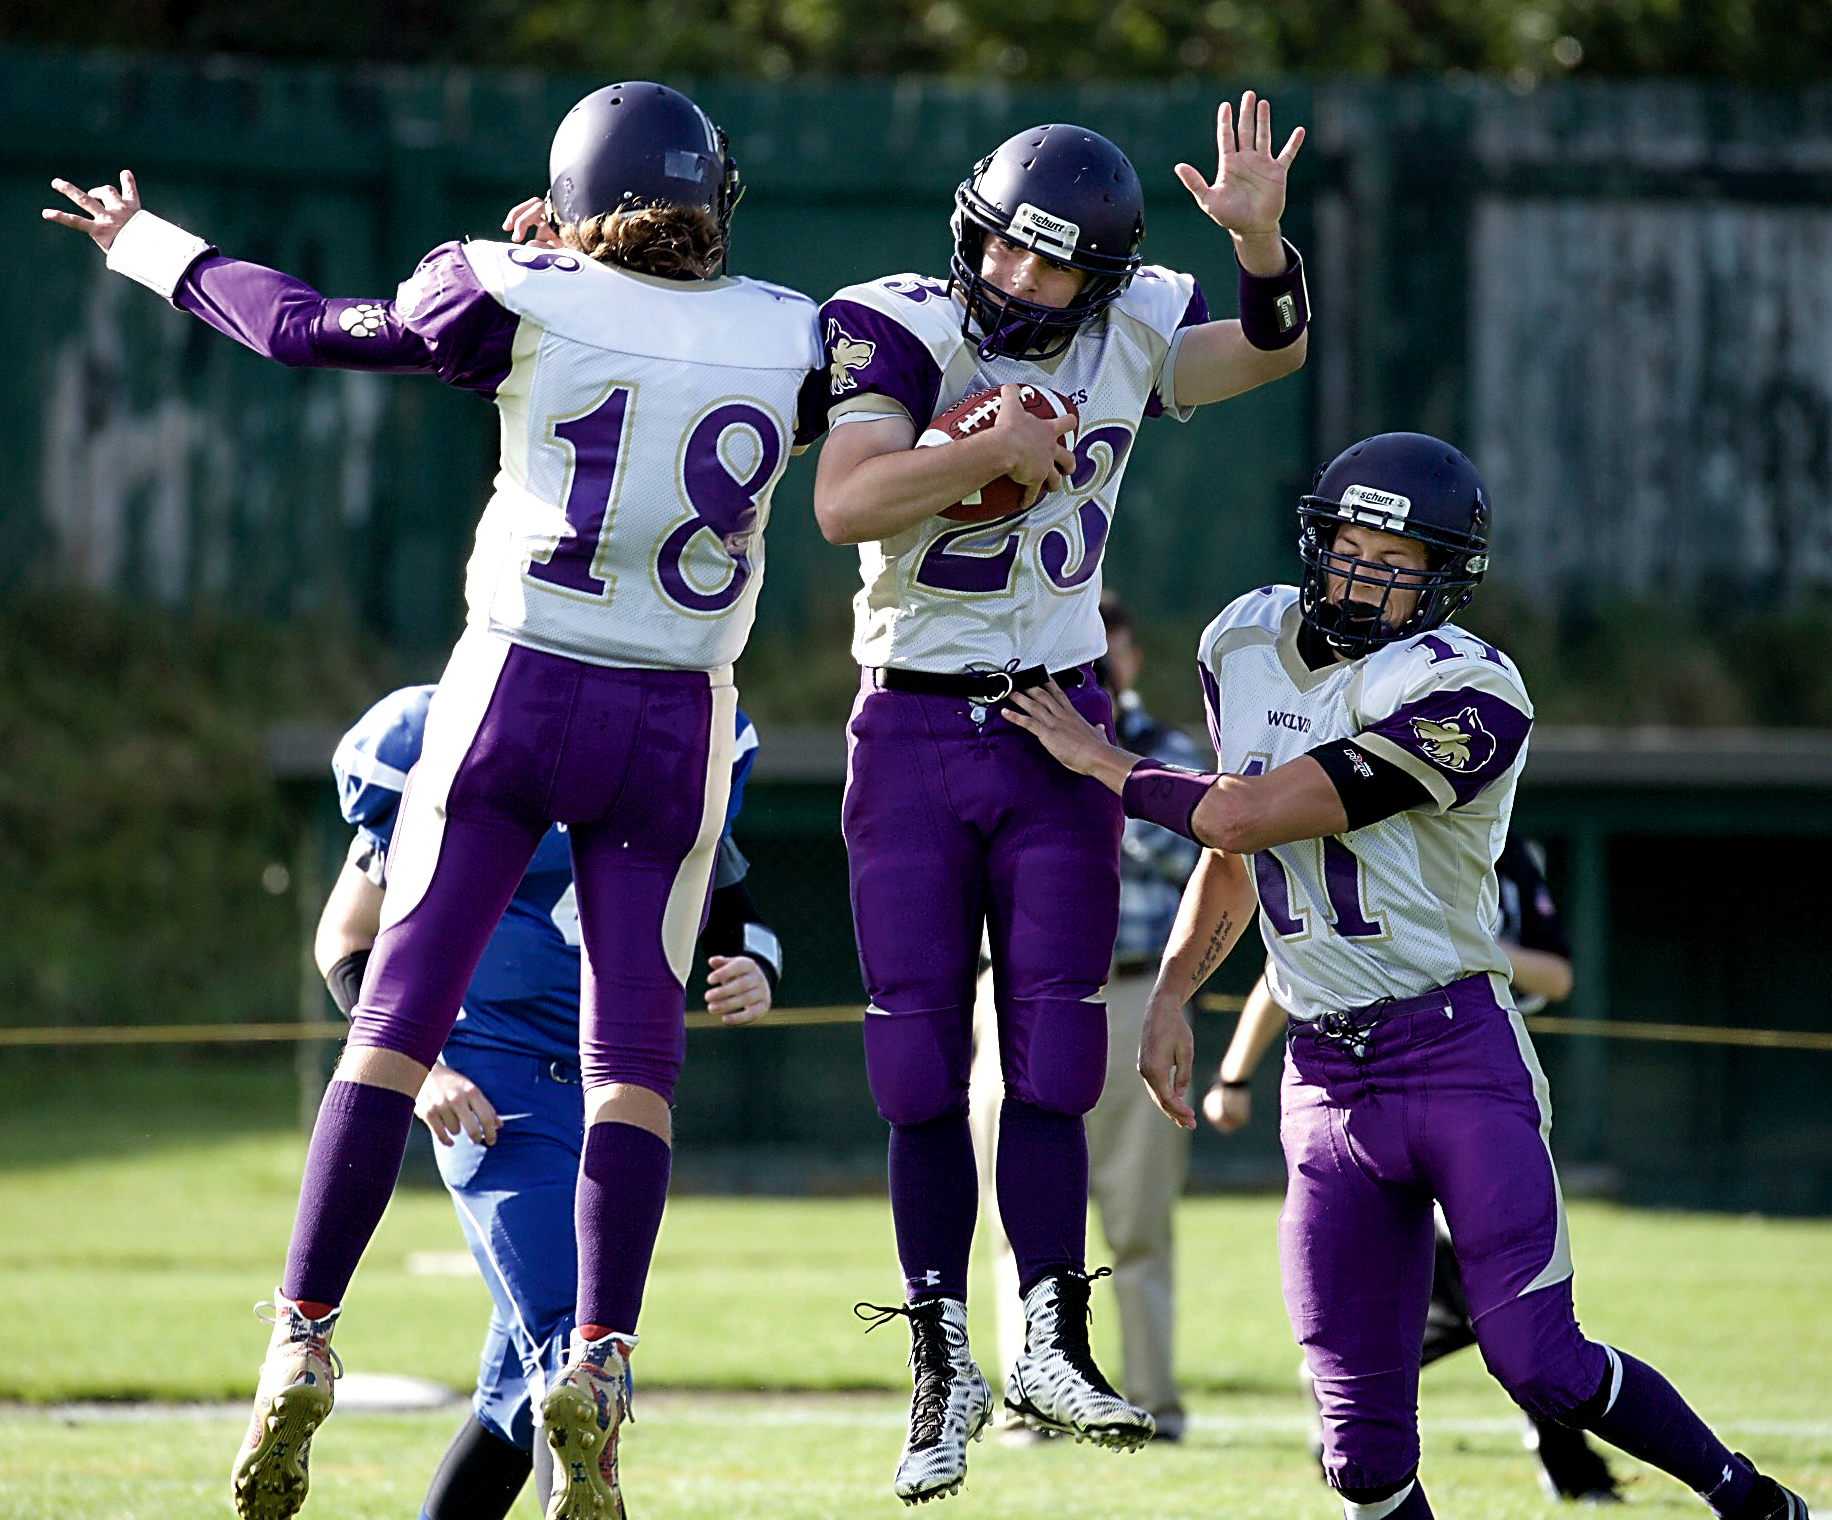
point(645, 423)
point(1021, 590)
point(1407, 904)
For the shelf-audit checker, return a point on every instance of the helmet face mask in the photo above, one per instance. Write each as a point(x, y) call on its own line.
point(1414, 487)
point(1066, 194)
point(638, 144)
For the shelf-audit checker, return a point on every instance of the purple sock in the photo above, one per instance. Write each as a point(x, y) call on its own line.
point(1043, 1189)
point(617, 1213)
point(1648, 1419)
point(350, 1172)
point(935, 1195)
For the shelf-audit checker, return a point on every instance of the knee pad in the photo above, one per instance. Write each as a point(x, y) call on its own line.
point(1534, 1349)
point(917, 1063)
point(1055, 1053)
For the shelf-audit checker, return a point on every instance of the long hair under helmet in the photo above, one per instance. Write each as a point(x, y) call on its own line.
point(640, 144)
point(1411, 485)
point(1060, 191)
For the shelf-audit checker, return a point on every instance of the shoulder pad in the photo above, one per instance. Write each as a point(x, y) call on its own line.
point(1158, 297)
point(1445, 659)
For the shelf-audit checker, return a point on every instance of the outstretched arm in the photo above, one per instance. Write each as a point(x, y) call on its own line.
point(1241, 814)
point(450, 326)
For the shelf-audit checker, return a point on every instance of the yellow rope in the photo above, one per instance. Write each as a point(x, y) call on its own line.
point(851, 1013)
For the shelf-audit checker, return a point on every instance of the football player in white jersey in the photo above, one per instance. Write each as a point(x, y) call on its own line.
point(953, 819)
point(1368, 752)
point(648, 407)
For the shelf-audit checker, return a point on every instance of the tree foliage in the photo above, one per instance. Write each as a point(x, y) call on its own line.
point(1752, 41)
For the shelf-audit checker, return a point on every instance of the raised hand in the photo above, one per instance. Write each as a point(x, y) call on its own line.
point(107, 209)
point(1248, 194)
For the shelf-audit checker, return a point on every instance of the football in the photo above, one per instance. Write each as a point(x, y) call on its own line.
point(973, 414)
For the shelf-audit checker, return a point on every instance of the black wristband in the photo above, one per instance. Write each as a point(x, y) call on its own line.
point(1275, 308)
point(734, 927)
point(1235, 1086)
point(345, 980)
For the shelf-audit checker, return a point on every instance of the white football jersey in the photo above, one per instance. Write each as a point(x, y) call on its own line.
point(645, 423)
point(1407, 904)
point(1021, 590)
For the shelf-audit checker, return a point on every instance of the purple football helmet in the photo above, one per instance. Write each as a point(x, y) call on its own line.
point(1404, 483)
point(1061, 191)
point(640, 144)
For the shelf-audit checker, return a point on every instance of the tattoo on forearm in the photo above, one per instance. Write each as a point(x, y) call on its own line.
point(1213, 952)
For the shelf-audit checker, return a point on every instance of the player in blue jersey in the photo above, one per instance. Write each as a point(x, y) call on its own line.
point(504, 1098)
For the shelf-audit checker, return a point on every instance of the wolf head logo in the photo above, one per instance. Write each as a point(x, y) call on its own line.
point(1456, 744)
point(849, 354)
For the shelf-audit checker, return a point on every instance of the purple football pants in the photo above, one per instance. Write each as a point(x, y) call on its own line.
point(517, 740)
point(637, 764)
point(952, 823)
point(1446, 1102)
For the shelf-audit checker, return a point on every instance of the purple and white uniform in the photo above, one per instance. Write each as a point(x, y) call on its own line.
point(644, 425)
point(956, 819)
point(1023, 590)
point(1409, 1076)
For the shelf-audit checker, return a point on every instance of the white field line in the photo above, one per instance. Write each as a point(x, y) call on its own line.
point(850, 1411)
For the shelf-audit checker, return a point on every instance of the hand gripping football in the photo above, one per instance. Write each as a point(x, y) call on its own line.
point(975, 413)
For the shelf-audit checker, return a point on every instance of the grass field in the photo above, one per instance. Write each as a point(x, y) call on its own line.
point(136, 1235)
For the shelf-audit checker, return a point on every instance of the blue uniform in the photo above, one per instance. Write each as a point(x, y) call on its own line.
point(517, 1038)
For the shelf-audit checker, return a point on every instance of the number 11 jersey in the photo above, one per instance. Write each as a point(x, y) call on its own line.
point(1407, 904)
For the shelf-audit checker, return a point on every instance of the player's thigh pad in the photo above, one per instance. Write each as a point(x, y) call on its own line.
point(1355, 1266)
point(914, 859)
point(469, 823)
point(643, 860)
point(1052, 909)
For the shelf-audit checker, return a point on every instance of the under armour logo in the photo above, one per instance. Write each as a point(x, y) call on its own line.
point(929, 1279)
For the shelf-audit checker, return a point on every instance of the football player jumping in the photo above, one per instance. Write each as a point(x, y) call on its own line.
point(1368, 752)
point(952, 818)
point(504, 1100)
point(648, 407)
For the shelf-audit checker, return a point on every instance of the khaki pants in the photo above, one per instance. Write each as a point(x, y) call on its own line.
point(1137, 1163)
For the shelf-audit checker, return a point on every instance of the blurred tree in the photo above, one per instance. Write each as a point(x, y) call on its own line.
point(1754, 41)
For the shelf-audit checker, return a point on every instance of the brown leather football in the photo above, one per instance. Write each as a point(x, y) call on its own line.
point(973, 414)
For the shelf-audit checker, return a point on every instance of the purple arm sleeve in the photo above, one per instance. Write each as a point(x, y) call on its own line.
point(1194, 315)
point(442, 322)
point(1165, 795)
point(870, 353)
point(1470, 738)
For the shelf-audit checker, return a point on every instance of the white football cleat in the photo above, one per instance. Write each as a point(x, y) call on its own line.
point(950, 1402)
point(585, 1406)
point(1054, 1385)
point(271, 1472)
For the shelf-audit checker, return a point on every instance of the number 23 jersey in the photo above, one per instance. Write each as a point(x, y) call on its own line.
point(1020, 590)
point(1411, 902)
